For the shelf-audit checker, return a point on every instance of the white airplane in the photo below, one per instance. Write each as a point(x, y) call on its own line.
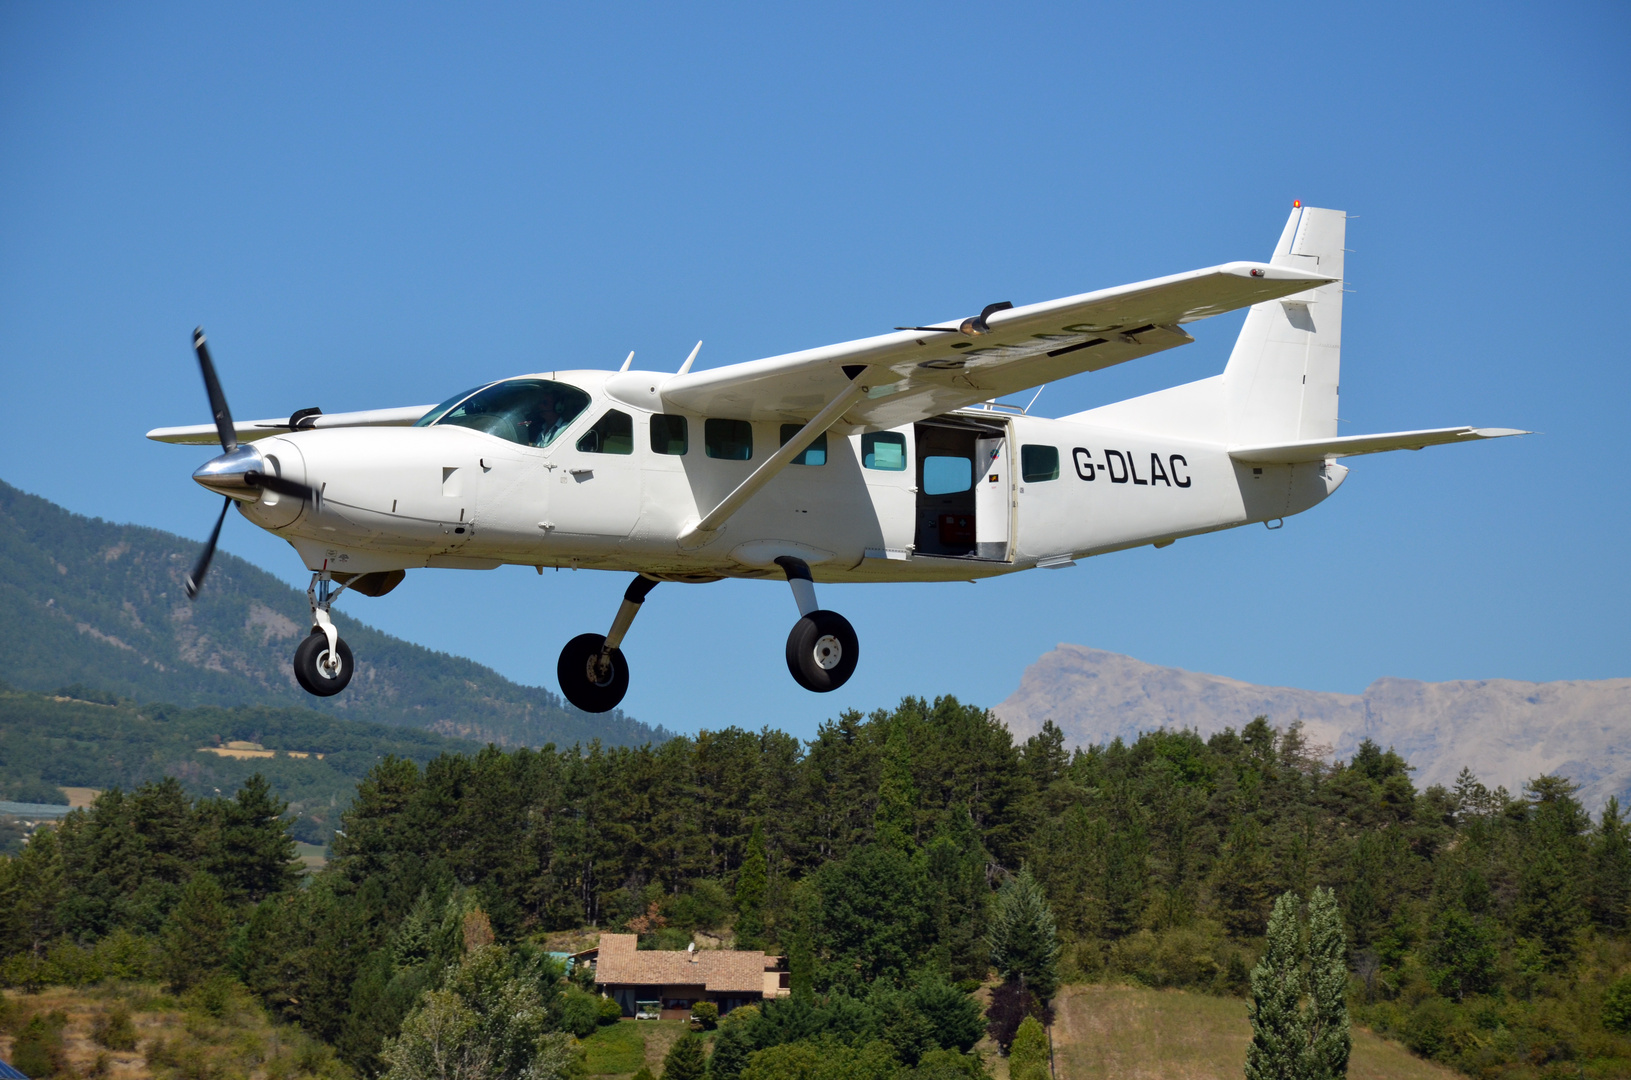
point(883, 459)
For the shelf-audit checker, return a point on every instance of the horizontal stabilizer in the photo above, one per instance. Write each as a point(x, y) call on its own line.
point(250, 430)
point(1293, 453)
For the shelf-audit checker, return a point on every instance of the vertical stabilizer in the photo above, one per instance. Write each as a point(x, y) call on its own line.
point(1281, 381)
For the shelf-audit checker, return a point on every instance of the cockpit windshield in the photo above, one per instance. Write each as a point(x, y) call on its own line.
point(531, 412)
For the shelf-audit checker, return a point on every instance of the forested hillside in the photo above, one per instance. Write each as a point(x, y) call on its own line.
point(48, 742)
point(1486, 929)
point(99, 604)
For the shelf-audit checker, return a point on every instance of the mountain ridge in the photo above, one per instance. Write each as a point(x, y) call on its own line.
point(102, 604)
point(1507, 731)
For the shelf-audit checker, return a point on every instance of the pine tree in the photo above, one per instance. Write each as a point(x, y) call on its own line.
point(194, 939)
point(254, 852)
point(686, 1060)
point(1024, 943)
point(752, 885)
point(1278, 1035)
point(731, 1050)
point(1329, 1039)
point(1611, 868)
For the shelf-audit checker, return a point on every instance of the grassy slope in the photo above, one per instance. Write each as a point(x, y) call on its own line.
point(239, 1044)
point(620, 1049)
point(1112, 1031)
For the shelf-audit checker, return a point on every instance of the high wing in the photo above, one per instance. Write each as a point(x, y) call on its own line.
point(1310, 450)
point(916, 373)
point(250, 430)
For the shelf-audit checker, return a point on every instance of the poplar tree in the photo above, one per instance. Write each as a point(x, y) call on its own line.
point(1278, 1035)
point(894, 823)
point(1329, 1039)
point(752, 885)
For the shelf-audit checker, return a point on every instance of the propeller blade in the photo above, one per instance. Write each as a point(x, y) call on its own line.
point(284, 487)
point(195, 579)
point(218, 400)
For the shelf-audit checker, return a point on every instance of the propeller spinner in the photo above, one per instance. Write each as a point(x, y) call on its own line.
point(238, 473)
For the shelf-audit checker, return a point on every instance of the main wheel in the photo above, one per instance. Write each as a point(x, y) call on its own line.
point(822, 651)
point(319, 673)
point(591, 682)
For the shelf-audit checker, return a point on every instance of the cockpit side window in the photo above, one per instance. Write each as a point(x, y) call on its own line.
point(612, 434)
point(532, 412)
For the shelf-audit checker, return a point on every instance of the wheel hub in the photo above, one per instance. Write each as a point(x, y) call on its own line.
point(328, 665)
point(599, 669)
point(828, 652)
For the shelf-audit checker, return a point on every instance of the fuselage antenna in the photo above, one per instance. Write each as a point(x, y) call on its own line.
point(689, 360)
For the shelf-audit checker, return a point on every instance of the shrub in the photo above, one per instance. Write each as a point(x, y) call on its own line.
point(580, 1013)
point(610, 1011)
point(1427, 1028)
point(37, 1050)
point(1617, 1005)
point(704, 1016)
point(1028, 1056)
point(114, 1030)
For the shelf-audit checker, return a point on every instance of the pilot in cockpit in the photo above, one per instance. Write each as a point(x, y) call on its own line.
point(545, 421)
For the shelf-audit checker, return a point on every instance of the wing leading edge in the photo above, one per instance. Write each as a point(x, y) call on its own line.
point(913, 374)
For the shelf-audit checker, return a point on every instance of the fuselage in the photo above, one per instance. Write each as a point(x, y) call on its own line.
point(973, 493)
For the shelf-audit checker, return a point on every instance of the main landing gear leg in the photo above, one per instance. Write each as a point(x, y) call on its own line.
point(593, 674)
point(322, 663)
point(822, 650)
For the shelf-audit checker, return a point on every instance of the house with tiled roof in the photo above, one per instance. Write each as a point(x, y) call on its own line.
point(644, 981)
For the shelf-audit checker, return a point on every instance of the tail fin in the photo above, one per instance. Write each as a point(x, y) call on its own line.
point(1281, 381)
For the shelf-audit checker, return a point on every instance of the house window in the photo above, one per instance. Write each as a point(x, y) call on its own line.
point(668, 435)
point(814, 454)
point(884, 450)
point(612, 434)
point(945, 474)
point(731, 440)
point(1038, 463)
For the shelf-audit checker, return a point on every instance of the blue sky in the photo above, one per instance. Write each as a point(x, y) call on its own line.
point(381, 205)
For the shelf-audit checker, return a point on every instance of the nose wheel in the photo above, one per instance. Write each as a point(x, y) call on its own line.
point(320, 670)
point(822, 651)
point(322, 663)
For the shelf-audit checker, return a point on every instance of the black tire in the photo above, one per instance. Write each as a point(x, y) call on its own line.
point(311, 676)
point(581, 687)
point(811, 649)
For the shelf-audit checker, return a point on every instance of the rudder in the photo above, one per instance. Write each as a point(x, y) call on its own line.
point(1282, 377)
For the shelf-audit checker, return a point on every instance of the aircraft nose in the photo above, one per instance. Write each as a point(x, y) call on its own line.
point(229, 474)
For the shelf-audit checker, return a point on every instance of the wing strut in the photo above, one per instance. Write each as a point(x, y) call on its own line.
point(703, 531)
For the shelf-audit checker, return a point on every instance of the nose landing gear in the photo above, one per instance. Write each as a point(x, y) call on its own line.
point(822, 649)
point(322, 663)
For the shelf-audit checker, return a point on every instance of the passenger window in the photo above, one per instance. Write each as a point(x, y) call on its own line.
point(612, 434)
point(668, 435)
point(814, 454)
point(1038, 463)
point(944, 475)
point(884, 450)
point(728, 439)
